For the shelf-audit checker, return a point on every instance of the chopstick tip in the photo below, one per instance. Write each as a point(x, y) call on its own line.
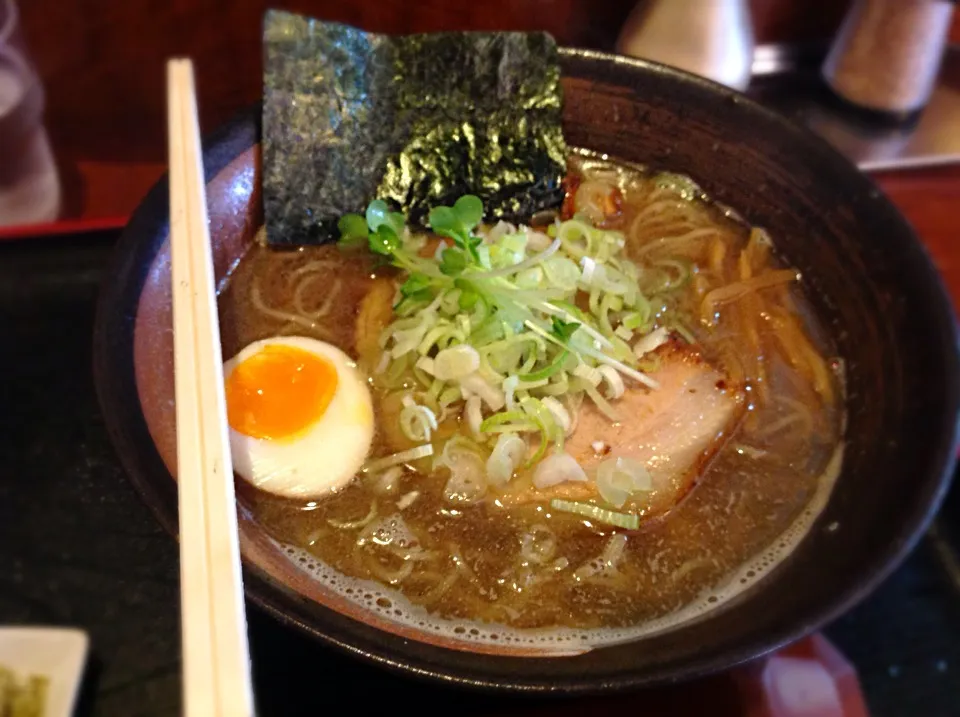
point(179, 62)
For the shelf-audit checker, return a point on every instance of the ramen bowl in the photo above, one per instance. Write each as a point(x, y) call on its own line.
point(866, 275)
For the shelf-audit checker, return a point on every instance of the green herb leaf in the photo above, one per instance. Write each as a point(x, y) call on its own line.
point(398, 221)
point(468, 299)
point(353, 229)
point(469, 210)
point(563, 330)
point(377, 213)
point(416, 300)
point(456, 222)
point(472, 244)
point(384, 240)
point(482, 254)
point(453, 261)
point(549, 370)
point(415, 284)
point(444, 221)
point(572, 309)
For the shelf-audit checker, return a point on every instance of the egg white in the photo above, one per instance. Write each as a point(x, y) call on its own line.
point(322, 457)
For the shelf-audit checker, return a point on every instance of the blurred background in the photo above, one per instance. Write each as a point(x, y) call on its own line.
point(101, 63)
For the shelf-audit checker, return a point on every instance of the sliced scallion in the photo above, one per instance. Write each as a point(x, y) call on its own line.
point(513, 324)
point(628, 521)
point(547, 371)
point(395, 459)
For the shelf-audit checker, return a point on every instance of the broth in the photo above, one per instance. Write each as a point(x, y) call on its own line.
point(529, 565)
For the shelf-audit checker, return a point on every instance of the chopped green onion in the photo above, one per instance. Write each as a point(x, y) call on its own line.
point(514, 321)
point(652, 341)
point(439, 336)
point(623, 333)
point(434, 392)
point(417, 422)
point(456, 362)
point(585, 325)
point(557, 388)
point(636, 319)
point(540, 331)
point(573, 310)
point(588, 373)
point(684, 332)
point(549, 425)
point(545, 432)
point(621, 367)
point(547, 371)
point(396, 459)
point(628, 521)
point(522, 427)
point(575, 237)
point(530, 278)
point(601, 403)
point(425, 379)
point(649, 363)
point(505, 418)
point(486, 332)
point(449, 395)
point(563, 330)
point(410, 305)
point(535, 260)
point(393, 376)
point(622, 351)
point(561, 272)
point(594, 301)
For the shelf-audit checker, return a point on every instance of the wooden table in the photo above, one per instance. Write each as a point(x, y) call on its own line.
point(930, 199)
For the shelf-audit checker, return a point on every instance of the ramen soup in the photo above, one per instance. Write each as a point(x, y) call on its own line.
point(610, 419)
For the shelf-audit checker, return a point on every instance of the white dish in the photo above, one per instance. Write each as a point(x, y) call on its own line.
point(57, 653)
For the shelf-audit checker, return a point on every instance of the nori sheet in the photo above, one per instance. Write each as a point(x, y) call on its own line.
point(417, 120)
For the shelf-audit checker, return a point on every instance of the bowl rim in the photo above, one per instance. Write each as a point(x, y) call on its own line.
point(113, 374)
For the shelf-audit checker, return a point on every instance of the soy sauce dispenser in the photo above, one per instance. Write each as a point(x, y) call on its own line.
point(887, 54)
point(712, 38)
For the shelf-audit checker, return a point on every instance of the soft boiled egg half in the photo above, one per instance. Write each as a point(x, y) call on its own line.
point(300, 415)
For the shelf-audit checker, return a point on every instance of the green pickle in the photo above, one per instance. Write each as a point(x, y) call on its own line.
point(23, 697)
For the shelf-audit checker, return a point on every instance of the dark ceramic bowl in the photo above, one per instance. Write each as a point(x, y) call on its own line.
point(866, 274)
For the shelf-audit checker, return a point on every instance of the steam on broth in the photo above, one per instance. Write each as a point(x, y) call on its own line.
point(698, 471)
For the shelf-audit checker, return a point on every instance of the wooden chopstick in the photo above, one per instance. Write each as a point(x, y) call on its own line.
point(216, 664)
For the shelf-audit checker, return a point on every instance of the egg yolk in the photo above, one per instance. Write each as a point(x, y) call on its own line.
point(279, 391)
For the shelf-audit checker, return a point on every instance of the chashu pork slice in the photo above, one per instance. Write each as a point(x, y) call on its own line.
point(674, 430)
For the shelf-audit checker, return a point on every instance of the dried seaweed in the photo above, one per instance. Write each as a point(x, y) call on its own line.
point(417, 120)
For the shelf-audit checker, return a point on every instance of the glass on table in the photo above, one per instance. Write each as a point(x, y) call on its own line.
point(29, 185)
